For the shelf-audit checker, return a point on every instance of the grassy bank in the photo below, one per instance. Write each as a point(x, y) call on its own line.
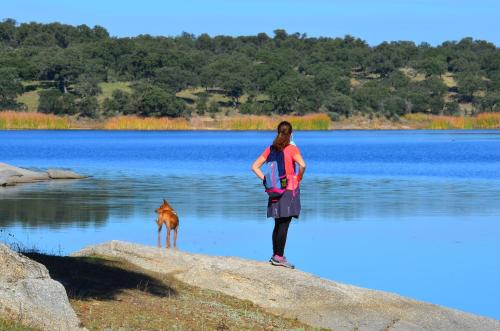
point(8, 325)
point(111, 294)
point(29, 120)
point(480, 121)
point(33, 120)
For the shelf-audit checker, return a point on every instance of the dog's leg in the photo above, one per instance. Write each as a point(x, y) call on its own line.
point(168, 237)
point(175, 237)
point(159, 232)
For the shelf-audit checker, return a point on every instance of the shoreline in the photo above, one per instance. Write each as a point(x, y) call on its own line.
point(10, 120)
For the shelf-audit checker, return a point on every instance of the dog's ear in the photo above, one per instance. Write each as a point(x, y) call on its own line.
point(164, 201)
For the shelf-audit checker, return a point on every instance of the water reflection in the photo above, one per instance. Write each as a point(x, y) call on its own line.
point(56, 204)
point(92, 202)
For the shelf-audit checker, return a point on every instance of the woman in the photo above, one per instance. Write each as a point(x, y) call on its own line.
point(287, 205)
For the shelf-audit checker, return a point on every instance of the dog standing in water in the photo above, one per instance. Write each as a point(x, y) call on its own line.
point(167, 216)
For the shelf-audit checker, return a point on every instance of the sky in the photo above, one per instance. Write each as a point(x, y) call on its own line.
point(375, 21)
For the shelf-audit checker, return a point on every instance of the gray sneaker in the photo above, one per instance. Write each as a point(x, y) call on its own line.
point(281, 262)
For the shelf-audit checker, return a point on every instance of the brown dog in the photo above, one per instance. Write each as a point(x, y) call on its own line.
point(167, 216)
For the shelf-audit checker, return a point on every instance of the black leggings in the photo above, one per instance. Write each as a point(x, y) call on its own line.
point(279, 234)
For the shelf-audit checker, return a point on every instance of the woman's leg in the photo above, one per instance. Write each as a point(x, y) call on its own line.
point(275, 235)
point(281, 234)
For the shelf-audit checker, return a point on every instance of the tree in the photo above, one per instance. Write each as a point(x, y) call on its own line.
point(468, 84)
point(284, 94)
point(433, 66)
point(451, 108)
point(54, 102)
point(174, 78)
point(338, 103)
point(491, 102)
point(87, 86)
point(393, 106)
point(201, 103)
point(154, 101)
point(88, 107)
point(10, 88)
point(119, 103)
point(234, 86)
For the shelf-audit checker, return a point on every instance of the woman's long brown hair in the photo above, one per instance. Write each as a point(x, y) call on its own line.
point(284, 135)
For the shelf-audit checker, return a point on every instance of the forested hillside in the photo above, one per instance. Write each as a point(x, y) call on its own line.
point(83, 71)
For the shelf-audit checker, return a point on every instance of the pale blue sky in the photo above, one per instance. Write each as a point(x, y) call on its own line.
point(433, 21)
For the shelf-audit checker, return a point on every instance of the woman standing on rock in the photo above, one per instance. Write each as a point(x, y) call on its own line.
point(282, 185)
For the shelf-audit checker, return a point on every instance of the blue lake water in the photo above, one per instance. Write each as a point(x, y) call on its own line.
point(412, 212)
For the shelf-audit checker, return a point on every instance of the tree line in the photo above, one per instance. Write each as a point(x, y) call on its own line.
point(280, 74)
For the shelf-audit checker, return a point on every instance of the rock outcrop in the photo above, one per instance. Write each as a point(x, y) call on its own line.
point(29, 295)
point(296, 294)
point(11, 175)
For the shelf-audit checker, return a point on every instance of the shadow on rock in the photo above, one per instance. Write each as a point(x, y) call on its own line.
point(98, 278)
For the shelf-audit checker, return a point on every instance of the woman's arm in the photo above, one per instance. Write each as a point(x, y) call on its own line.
point(302, 165)
point(256, 167)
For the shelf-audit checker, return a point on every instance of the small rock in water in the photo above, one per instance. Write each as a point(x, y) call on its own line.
point(63, 174)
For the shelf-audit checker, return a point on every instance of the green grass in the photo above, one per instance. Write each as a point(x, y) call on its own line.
point(108, 88)
point(7, 325)
point(30, 99)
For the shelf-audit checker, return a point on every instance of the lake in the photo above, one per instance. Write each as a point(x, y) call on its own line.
point(411, 212)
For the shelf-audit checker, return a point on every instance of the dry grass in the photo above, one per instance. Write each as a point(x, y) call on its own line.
point(253, 122)
point(449, 79)
point(488, 121)
point(112, 294)
point(29, 120)
point(9, 325)
point(481, 121)
point(147, 123)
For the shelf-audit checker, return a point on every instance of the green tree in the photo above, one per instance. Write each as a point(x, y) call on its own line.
point(174, 78)
point(10, 87)
point(119, 103)
point(468, 84)
point(338, 104)
point(154, 101)
point(213, 107)
point(88, 107)
point(54, 102)
point(87, 86)
point(433, 66)
point(491, 102)
point(202, 103)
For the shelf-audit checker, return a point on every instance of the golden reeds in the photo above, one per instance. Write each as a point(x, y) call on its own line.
point(253, 122)
point(146, 123)
point(31, 120)
point(435, 122)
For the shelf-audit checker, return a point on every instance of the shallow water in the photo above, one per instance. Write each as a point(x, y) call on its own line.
point(411, 212)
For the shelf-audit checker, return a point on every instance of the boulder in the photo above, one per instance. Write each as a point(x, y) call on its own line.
point(29, 295)
point(63, 174)
point(11, 175)
point(296, 294)
point(8, 177)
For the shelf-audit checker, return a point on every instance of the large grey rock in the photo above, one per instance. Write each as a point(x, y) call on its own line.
point(11, 175)
point(63, 174)
point(296, 294)
point(29, 295)
point(8, 177)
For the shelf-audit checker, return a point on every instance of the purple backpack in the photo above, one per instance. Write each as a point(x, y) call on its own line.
point(275, 174)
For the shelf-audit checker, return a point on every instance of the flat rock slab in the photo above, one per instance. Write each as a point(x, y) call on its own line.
point(29, 295)
point(294, 293)
point(11, 175)
point(63, 174)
